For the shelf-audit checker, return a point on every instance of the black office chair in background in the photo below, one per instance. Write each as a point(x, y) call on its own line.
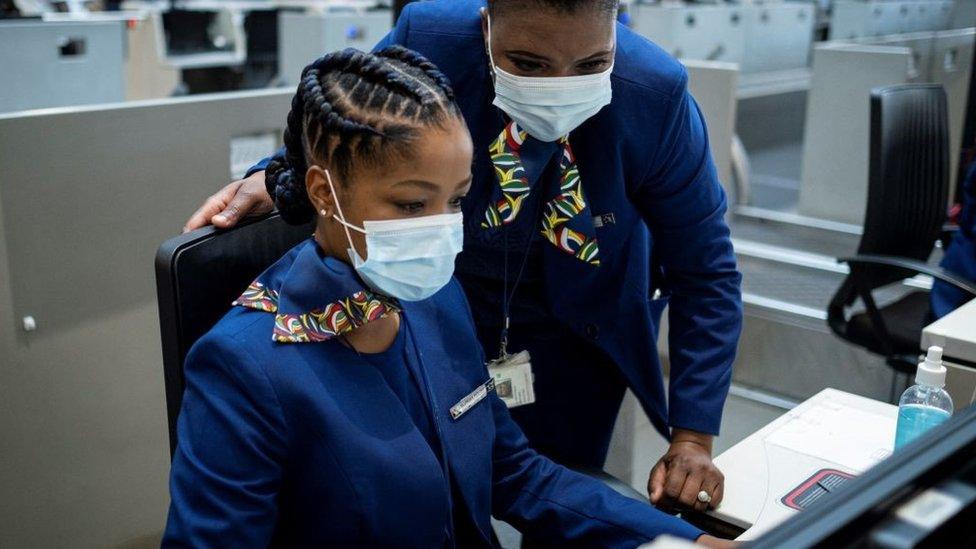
point(906, 208)
point(198, 275)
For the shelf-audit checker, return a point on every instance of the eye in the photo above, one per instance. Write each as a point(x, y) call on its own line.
point(593, 66)
point(458, 202)
point(526, 66)
point(411, 208)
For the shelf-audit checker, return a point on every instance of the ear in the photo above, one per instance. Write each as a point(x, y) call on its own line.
point(319, 191)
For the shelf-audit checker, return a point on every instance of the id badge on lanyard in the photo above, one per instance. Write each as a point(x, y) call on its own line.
point(513, 379)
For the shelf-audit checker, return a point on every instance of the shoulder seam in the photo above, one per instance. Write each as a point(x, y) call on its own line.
point(679, 86)
point(643, 86)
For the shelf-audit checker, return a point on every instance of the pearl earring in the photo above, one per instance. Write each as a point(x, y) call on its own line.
point(324, 213)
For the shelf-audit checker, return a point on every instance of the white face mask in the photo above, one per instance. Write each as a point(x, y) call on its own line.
point(549, 107)
point(409, 259)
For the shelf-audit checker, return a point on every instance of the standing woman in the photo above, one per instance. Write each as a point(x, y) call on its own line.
point(594, 198)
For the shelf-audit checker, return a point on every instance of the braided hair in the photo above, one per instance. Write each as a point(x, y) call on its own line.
point(352, 108)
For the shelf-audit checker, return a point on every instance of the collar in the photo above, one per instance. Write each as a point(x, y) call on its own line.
point(314, 297)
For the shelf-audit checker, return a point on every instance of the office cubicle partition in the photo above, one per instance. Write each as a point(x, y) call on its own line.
point(86, 197)
point(58, 64)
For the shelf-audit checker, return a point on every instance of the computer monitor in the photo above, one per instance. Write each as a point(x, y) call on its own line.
point(922, 496)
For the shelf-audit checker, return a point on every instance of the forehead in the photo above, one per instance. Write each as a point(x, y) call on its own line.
point(438, 155)
point(553, 33)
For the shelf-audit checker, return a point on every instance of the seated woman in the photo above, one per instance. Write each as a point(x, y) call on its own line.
point(345, 400)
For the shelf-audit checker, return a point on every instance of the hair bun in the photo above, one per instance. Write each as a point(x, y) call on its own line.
point(289, 194)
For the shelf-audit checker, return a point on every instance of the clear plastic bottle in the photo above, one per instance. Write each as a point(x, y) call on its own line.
point(925, 404)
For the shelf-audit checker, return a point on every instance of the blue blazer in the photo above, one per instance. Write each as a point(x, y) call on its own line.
point(960, 257)
point(303, 444)
point(644, 159)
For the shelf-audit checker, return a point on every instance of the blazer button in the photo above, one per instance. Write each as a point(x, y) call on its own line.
point(592, 331)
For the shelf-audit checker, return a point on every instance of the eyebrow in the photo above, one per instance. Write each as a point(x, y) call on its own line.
point(527, 54)
point(428, 185)
point(598, 54)
point(536, 56)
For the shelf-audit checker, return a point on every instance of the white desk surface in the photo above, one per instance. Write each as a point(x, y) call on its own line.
point(831, 430)
point(955, 333)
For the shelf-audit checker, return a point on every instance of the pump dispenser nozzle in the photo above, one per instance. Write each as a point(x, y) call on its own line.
point(931, 372)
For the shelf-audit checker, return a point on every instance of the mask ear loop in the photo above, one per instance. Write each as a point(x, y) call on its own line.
point(341, 218)
point(491, 58)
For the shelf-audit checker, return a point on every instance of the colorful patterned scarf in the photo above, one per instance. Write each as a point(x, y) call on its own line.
point(566, 221)
point(323, 324)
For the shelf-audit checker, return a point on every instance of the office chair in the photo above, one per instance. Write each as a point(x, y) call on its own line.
point(198, 275)
point(906, 208)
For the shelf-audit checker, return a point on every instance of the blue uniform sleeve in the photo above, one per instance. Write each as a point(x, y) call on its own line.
point(960, 256)
point(396, 36)
point(227, 469)
point(558, 506)
point(683, 204)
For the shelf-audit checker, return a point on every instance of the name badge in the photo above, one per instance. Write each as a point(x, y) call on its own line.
point(513, 379)
point(472, 398)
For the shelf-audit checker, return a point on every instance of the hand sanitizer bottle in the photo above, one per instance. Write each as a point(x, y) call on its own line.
point(925, 404)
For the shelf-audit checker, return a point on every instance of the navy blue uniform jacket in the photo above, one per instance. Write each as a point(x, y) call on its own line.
point(306, 445)
point(644, 159)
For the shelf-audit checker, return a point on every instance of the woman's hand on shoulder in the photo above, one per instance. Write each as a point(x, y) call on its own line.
point(227, 206)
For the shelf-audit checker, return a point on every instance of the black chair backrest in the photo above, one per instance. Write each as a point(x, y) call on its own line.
point(909, 176)
point(198, 275)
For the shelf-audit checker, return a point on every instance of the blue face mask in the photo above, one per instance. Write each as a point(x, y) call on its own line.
point(409, 259)
point(549, 107)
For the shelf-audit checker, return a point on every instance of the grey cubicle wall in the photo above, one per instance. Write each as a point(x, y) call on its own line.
point(835, 153)
point(761, 38)
point(303, 37)
point(56, 64)
point(952, 54)
point(836, 140)
point(714, 85)
point(855, 19)
point(86, 197)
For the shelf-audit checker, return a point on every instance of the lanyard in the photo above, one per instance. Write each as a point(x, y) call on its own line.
point(506, 296)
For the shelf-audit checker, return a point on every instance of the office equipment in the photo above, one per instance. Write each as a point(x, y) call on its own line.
point(58, 64)
point(199, 38)
point(907, 197)
point(304, 37)
point(956, 334)
point(922, 496)
point(835, 431)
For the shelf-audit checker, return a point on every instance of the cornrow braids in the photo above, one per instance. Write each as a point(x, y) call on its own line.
point(355, 108)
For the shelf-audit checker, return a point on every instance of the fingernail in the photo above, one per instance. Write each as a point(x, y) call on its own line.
point(221, 218)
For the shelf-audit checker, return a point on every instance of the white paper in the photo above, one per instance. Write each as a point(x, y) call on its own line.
point(847, 437)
